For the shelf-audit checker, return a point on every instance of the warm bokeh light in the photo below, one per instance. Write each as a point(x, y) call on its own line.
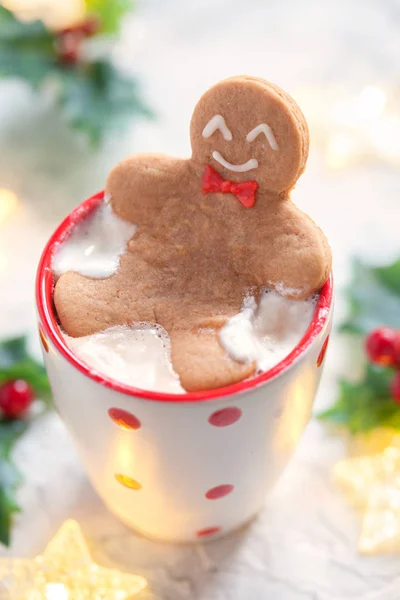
point(340, 149)
point(8, 204)
point(128, 482)
point(65, 571)
point(361, 110)
point(56, 591)
point(352, 129)
point(385, 136)
point(3, 262)
point(370, 442)
point(372, 483)
point(55, 14)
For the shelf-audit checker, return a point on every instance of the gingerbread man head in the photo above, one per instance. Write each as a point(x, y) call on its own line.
point(247, 128)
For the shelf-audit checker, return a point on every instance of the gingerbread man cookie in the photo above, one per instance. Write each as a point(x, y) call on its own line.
point(209, 229)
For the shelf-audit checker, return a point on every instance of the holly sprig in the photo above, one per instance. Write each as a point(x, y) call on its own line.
point(16, 365)
point(94, 96)
point(373, 297)
point(365, 404)
point(374, 311)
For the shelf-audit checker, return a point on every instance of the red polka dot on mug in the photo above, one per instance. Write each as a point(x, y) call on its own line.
point(202, 533)
point(219, 491)
point(225, 416)
point(124, 419)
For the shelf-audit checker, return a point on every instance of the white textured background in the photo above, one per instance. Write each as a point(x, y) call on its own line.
point(303, 545)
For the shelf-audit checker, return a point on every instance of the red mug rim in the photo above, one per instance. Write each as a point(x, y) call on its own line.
point(48, 321)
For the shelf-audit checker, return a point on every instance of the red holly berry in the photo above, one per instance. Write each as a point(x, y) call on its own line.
point(69, 57)
point(69, 40)
point(15, 398)
point(395, 387)
point(69, 47)
point(381, 346)
point(397, 352)
point(91, 25)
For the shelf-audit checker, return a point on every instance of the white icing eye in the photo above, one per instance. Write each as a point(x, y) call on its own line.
point(217, 122)
point(266, 129)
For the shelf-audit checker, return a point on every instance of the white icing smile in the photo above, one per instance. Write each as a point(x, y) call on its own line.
point(218, 123)
point(252, 163)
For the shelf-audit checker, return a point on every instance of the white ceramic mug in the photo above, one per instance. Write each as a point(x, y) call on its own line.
point(181, 467)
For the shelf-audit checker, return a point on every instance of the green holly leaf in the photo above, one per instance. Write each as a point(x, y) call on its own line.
point(10, 477)
point(32, 66)
point(365, 404)
point(28, 36)
point(10, 480)
point(10, 431)
point(11, 28)
point(12, 350)
point(16, 363)
point(96, 98)
point(389, 277)
point(374, 298)
point(110, 13)
point(26, 50)
point(8, 502)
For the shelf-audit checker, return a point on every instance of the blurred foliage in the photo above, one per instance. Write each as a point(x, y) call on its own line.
point(373, 297)
point(94, 96)
point(366, 404)
point(110, 13)
point(374, 300)
point(10, 477)
point(16, 363)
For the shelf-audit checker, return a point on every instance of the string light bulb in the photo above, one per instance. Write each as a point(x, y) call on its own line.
point(372, 484)
point(363, 127)
point(65, 571)
point(8, 204)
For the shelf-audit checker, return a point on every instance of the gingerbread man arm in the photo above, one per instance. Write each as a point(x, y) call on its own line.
point(139, 188)
point(296, 260)
point(140, 185)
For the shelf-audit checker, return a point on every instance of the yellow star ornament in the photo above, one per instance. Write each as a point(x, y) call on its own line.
point(65, 571)
point(373, 484)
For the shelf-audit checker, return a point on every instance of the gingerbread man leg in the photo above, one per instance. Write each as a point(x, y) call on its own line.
point(200, 360)
point(86, 306)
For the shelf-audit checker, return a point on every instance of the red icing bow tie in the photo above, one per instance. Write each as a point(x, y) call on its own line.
point(213, 182)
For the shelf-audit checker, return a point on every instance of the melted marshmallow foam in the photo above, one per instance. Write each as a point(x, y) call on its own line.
point(267, 332)
point(95, 245)
point(138, 356)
